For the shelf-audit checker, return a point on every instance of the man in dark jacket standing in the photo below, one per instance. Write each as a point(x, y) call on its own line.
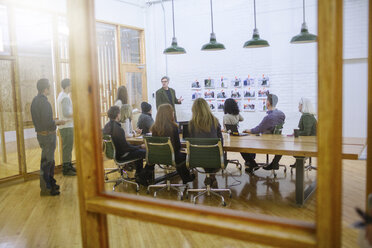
point(45, 127)
point(167, 95)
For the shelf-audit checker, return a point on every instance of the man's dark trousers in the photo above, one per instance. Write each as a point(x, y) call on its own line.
point(48, 146)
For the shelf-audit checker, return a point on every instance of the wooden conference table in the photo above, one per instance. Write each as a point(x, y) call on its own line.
point(301, 147)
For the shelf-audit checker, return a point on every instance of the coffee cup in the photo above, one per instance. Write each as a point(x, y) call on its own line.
point(296, 132)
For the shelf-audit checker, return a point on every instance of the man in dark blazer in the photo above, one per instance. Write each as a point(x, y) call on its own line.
point(167, 95)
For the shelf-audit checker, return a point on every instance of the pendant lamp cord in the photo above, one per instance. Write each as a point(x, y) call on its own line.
point(254, 6)
point(174, 32)
point(303, 9)
point(212, 17)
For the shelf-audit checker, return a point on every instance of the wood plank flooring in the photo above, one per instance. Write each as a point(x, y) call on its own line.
point(33, 153)
point(28, 220)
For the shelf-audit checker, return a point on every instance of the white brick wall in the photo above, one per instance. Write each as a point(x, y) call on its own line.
point(292, 68)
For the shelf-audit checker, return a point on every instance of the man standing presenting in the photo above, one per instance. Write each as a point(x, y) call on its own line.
point(67, 130)
point(45, 127)
point(167, 95)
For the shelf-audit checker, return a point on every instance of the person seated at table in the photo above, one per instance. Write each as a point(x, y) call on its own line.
point(274, 117)
point(145, 120)
point(204, 124)
point(232, 114)
point(308, 123)
point(165, 126)
point(125, 151)
point(126, 112)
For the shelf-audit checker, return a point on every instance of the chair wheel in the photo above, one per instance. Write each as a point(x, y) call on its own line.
point(224, 204)
point(137, 189)
point(230, 195)
point(285, 170)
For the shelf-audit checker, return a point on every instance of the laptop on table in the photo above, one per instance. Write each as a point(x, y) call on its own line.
point(234, 130)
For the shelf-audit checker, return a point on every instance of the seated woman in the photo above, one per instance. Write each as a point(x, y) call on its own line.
point(165, 126)
point(232, 114)
point(204, 124)
point(125, 151)
point(125, 111)
point(308, 123)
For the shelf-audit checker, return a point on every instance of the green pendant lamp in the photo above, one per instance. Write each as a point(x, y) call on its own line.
point(256, 41)
point(174, 48)
point(304, 36)
point(213, 45)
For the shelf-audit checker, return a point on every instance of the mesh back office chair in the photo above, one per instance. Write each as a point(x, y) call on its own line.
point(109, 151)
point(234, 128)
point(277, 130)
point(206, 153)
point(159, 150)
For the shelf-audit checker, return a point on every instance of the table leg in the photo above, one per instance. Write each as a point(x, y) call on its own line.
point(302, 194)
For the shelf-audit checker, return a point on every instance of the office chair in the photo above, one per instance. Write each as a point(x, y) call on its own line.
point(159, 150)
point(206, 153)
point(109, 151)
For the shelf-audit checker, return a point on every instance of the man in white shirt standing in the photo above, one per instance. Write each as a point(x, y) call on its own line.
point(67, 130)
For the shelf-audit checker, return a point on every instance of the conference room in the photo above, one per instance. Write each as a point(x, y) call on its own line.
point(256, 71)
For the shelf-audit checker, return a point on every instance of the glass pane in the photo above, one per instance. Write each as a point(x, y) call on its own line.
point(34, 41)
point(8, 142)
point(4, 32)
point(65, 70)
point(130, 45)
point(63, 33)
point(107, 65)
point(134, 85)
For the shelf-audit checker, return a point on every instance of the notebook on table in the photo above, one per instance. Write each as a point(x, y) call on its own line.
point(234, 130)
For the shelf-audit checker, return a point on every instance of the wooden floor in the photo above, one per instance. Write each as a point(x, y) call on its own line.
point(33, 154)
point(28, 220)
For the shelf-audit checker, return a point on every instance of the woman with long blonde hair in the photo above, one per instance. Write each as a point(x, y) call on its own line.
point(165, 126)
point(204, 124)
point(125, 111)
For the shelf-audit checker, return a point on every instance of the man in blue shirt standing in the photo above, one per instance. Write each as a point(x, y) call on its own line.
point(274, 117)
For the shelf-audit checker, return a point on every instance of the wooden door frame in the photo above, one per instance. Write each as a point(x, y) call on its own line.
point(369, 107)
point(132, 67)
point(96, 204)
